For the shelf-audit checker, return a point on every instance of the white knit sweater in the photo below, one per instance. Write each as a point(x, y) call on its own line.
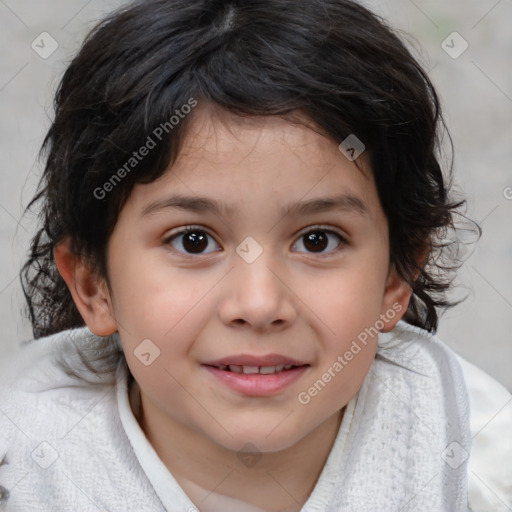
point(403, 444)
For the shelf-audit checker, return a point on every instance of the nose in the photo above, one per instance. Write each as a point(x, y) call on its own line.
point(258, 296)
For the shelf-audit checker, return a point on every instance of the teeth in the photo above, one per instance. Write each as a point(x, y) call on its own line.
point(250, 370)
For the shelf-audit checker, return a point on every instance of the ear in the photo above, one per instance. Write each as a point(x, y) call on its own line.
point(395, 301)
point(89, 292)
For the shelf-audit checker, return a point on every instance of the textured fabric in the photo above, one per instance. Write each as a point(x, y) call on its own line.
point(411, 409)
point(490, 464)
point(68, 444)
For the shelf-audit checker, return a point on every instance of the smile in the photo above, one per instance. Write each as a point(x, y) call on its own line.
point(256, 381)
point(251, 370)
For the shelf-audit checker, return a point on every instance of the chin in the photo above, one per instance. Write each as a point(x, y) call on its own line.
point(258, 439)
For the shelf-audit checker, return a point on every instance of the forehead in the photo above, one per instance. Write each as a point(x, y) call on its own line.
point(221, 136)
point(228, 161)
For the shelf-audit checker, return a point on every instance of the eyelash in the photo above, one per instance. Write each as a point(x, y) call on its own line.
point(311, 229)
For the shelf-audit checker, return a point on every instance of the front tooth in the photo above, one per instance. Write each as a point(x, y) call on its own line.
point(279, 368)
point(265, 370)
point(250, 369)
point(235, 368)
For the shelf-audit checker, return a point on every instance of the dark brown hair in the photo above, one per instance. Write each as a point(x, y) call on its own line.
point(331, 60)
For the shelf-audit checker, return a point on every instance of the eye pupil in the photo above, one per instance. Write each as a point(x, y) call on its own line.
point(317, 239)
point(194, 241)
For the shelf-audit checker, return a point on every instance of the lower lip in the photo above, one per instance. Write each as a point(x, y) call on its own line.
point(256, 384)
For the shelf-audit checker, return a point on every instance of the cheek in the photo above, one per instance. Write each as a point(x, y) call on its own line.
point(349, 380)
point(153, 298)
point(162, 363)
point(339, 375)
point(159, 325)
point(348, 308)
point(346, 301)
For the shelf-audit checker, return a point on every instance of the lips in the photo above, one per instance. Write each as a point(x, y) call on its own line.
point(268, 364)
point(257, 375)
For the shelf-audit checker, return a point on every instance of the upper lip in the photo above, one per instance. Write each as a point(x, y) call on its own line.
point(251, 360)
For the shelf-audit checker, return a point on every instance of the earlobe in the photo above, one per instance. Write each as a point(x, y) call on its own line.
point(396, 300)
point(90, 293)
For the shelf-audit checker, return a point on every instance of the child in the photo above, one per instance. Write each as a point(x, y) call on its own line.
point(238, 276)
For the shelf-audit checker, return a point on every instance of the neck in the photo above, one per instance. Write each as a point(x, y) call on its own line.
point(215, 478)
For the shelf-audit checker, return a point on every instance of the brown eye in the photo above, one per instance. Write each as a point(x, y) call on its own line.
point(191, 241)
point(318, 240)
point(195, 241)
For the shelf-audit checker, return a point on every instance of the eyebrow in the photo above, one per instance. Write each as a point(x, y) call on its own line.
point(344, 202)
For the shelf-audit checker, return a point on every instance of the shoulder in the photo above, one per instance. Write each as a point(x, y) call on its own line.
point(46, 376)
point(489, 407)
point(42, 410)
point(490, 462)
point(55, 370)
point(39, 361)
point(413, 349)
point(45, 370)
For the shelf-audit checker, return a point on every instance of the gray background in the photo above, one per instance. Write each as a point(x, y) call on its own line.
point(475, 88)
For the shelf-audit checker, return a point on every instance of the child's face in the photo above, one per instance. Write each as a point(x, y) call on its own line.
point(212, 296)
